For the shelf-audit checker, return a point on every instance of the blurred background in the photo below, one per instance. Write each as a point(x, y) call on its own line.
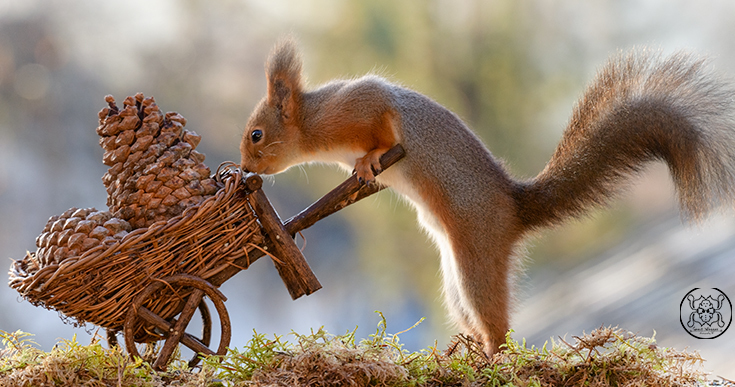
point(511, 69)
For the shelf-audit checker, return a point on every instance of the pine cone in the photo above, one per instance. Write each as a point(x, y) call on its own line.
point(76, 231)
point(155, 173)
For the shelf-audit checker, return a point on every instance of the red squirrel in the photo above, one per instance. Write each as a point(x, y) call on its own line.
point(640, 107)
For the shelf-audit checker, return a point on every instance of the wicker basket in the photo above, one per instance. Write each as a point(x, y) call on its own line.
point(99, 285)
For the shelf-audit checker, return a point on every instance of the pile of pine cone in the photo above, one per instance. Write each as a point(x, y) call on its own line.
point(155, 174)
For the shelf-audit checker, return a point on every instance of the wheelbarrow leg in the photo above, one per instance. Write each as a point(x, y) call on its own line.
point(111, 337)
point(291, 265)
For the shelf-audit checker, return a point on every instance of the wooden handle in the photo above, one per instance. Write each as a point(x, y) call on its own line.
point(350, 191)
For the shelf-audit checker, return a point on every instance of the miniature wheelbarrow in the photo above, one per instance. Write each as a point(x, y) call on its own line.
point(150, 282)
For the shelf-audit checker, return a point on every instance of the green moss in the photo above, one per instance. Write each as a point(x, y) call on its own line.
point(604, 357)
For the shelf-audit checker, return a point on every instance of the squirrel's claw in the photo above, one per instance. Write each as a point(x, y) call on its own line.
point(368, 166)
point(364, 173)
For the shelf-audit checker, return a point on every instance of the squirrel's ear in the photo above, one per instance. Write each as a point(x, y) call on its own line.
point(283, 72)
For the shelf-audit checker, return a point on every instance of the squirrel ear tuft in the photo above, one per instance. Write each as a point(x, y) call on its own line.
point(283, 72)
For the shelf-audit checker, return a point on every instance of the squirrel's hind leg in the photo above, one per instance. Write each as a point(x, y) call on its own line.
point(452, 292)
point(483, 288)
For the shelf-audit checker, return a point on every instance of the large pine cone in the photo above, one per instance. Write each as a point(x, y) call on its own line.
point(155, 173)
point(76, 231)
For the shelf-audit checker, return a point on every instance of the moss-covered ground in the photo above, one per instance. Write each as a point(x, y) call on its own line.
point(603, 357)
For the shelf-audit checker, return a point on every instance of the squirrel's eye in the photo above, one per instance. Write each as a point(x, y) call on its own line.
point(256, 135)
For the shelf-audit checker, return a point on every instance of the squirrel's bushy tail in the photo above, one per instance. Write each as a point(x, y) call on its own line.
point(640, 107)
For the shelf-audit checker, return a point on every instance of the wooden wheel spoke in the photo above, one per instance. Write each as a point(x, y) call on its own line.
point(179, 328)
point(191, 306)
point(154, 319)
point(195, 345)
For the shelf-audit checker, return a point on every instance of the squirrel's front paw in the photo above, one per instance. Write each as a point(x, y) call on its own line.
point(364, 172)
point(368, 166)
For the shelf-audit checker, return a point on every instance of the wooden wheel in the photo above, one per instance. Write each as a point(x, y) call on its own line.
point(206, 335)
point(173, 330)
